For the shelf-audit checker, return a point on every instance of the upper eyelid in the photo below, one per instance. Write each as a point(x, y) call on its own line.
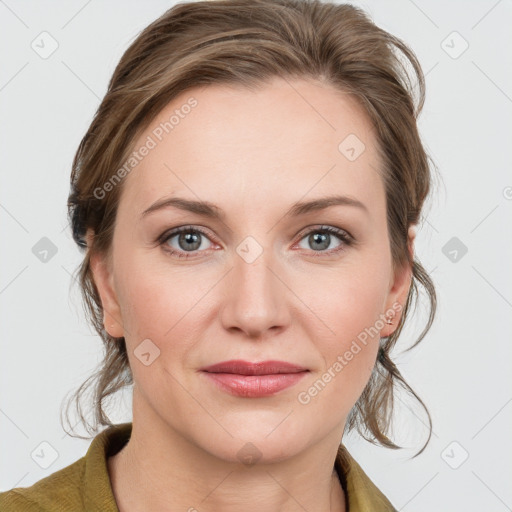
point(340, 232)
point(176, 231)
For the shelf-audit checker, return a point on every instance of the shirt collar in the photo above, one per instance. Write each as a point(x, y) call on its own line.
point(362, 493)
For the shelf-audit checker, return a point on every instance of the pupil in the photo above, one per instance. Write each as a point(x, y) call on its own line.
point(321, 238)
point(190, 239)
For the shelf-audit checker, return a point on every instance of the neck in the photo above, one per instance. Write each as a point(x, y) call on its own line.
point(160, 469)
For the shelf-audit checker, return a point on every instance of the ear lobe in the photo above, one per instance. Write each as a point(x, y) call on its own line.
point(412, 237)
point(103, 279)
point(397, 296)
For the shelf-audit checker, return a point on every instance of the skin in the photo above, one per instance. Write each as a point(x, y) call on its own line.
point(254, 154)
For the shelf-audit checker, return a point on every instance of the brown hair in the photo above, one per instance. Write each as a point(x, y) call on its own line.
point(248, 42)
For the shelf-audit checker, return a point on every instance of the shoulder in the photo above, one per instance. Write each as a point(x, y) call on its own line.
point(59, 491)
point(84, 485)
point(362, 493)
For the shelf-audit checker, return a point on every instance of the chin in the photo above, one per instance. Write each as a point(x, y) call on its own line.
point(257, 442)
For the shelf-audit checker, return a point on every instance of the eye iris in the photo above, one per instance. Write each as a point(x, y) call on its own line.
point(191, 239)
point(321, 238)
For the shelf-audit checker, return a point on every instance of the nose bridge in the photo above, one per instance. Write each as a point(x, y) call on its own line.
point(255, 297)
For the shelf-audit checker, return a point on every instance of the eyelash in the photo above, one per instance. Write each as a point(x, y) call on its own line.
point(344, 237)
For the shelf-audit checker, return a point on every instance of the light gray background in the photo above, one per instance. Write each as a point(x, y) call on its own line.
point(462, 368)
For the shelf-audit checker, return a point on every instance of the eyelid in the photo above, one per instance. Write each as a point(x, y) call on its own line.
point(343, 235)
point(340, 232)
point(345, 238)
point(179, 229)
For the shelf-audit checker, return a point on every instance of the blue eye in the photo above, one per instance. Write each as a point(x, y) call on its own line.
point(190, 240)
point(321, 238)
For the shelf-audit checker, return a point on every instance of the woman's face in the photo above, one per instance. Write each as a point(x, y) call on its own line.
point(261, 280)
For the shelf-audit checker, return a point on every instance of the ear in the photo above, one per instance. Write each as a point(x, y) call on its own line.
point(399, 289)
point(104, 281)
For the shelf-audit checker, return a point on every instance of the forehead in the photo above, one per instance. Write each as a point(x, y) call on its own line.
point(284, 139)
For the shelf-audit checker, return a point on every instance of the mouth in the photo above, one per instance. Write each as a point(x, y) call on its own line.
point(240, 367)
point(253, 380)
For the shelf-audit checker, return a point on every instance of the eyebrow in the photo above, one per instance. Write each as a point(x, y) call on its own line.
point(210, 210)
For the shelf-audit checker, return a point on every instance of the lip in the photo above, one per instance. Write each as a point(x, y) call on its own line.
point(240, 367)
point(253, 380)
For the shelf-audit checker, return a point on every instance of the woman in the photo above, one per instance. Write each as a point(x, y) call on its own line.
point(246, 197)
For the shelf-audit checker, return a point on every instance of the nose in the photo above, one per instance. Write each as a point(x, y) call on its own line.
point(255, 298)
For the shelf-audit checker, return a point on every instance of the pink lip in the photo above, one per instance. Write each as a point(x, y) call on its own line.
point(241, 367)
point(252, 380)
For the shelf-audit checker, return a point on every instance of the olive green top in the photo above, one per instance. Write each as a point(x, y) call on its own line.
point(85, 484)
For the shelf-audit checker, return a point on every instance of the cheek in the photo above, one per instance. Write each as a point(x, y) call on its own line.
point(347, 299)
point(350, 309)
point(166, 305)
